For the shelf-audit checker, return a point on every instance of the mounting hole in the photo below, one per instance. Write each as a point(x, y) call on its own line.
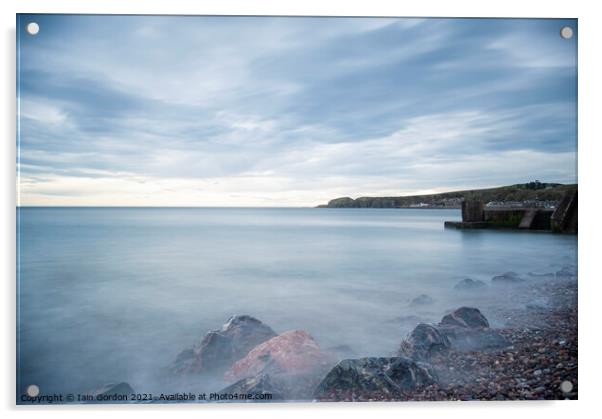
point(33, 28)
point(566, 32)
point(566, 386)
point(32, 390)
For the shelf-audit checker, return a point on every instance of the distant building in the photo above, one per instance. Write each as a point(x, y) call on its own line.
point(522, 204)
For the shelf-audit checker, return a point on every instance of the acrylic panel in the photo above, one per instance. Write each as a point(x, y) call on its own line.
point(274, 209)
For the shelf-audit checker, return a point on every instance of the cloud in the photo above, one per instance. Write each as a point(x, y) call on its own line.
point(280, 111)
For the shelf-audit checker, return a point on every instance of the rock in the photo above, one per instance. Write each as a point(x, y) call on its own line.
point(507, 278)
point(422, 299)
point(465, 317)
point(567, 271)
point(219, 349)
point(110, 389)
point(260, 384)
point(374, 375)
point(293, 352)
point(424, 342)
point(468, 284)
point(468, 330)
point(478, 339)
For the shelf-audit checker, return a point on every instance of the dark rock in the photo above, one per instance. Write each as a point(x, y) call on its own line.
point(260, 384)
point(184, 357)
point(219, 349)
point(476, 339)
point(468, 284)
point(424, 342)
point(465, 317)
point(375, 375)
point(468, 330)
point(507, 278)
point(114, 389)
point(422, 299)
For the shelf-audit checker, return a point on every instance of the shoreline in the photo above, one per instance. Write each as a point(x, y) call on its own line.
point(542, 356)
point(536, 360)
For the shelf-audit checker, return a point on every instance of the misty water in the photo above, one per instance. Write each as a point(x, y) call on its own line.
point(110, 295)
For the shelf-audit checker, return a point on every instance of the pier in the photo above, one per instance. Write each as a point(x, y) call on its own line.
point(562, 219)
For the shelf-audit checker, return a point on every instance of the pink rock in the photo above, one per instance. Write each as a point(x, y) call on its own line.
point(293, 352)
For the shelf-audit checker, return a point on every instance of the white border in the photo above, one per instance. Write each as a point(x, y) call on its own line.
point(590, 34)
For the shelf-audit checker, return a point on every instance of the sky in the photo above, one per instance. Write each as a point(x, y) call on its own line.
point(267, 111)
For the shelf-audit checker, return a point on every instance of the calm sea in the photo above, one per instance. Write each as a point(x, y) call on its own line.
point(114, 294)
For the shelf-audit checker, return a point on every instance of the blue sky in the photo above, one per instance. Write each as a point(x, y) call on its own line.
point(249, 111)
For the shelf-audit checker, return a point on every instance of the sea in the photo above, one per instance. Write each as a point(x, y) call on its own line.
point(115, 294)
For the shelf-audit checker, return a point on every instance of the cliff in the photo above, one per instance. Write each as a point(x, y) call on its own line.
point(524, 194)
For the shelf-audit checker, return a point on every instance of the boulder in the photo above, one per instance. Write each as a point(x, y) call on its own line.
point(465, 317)
point(219, 349)
point(468, 330)
point(293, 352)
point(260, 384)
point(375, 376)
point(467, 339)
point(507, 278)
point(468, 284)
point(424, 342)
point(422, 299)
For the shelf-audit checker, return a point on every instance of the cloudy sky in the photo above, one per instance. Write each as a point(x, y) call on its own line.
point(243, 111)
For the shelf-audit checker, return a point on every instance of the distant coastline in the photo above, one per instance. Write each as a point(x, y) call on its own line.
point(533, 194)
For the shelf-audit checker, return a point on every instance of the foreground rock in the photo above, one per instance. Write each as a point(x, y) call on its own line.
point(219, 349)
point(508, 278)
point(293, 352)
point(293, 361)
point(468, 330)
point(424, 342)
point(373, 378)
point(538, 361)
point(465, 317)
point(465, 329)
point(468, 284)
point(469, 340)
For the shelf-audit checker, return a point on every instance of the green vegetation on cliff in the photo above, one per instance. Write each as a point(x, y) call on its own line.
point(520, 193)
